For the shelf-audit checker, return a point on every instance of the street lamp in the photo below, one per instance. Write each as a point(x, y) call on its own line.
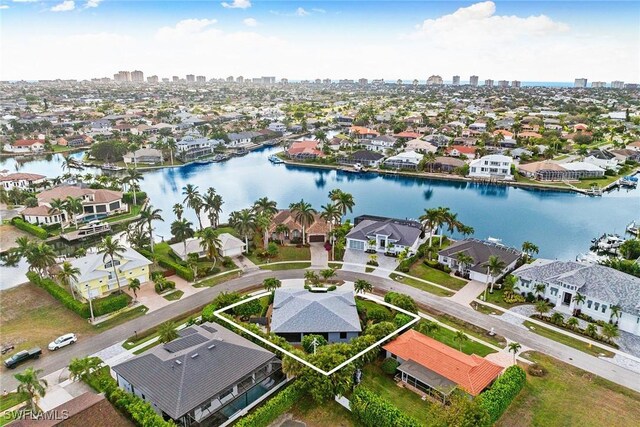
point(90, 304)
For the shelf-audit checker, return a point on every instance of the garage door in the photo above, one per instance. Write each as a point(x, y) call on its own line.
point(316, 238)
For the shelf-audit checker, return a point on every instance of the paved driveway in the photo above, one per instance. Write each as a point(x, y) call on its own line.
point(319, 255)
point(360, 257)
point(469, 293)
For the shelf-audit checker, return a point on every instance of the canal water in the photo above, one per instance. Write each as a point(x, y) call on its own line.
point(562, 224)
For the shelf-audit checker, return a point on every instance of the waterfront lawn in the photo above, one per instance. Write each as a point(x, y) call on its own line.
point(285, 253)
point(229, 230)
point(588, 182)
point(566, 340)
point(424, 272)
point(568, 396)
point(408, 402)
point(329, 413)
point(421, 285)
point(134, 211)
point(288, 266)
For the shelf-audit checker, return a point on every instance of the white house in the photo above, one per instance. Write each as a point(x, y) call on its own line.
point(25, 146)
point(492, 166)
point(602, 287)
point(380, 143)
point(385, 235)
point(404, 160)
point(229, 246)
point(479, 251)
point(20, 180)
point(277, 127)
point(612, 163)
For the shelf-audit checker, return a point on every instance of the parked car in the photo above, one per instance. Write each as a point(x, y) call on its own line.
point(62, 341)
point(21, 356)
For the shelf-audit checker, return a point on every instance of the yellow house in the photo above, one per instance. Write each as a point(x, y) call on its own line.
point(97, 279)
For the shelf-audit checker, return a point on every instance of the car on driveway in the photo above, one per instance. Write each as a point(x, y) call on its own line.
point(62, 341)
point(21, 356)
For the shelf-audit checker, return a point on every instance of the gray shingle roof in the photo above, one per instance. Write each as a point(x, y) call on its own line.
point(203, 372)
point(298, 310)
point(480, 252)
point(403, 232)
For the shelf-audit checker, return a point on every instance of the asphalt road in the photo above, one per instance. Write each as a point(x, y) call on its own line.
point(60, 359)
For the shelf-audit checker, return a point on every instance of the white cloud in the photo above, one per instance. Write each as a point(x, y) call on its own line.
point(65, 6)
point(4, 6)
point(237, 4)
point(185, 27)
point(317, 10)
point(92, 3)
point(301, 12)
point(25, 1)
point(250, 22)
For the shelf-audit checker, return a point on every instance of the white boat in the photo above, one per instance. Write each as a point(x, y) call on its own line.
point(111, 167)
point(628, 181)
point(634, 228)
point(591, 258)
point(357, 167)
point(275, 159)
point(608, 242)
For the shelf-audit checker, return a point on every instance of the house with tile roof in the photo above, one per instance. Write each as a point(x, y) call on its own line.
point(300, 312)
point(208, 376)
point(404, 160)
point(229, 246)
point(25, 146)
point(317, 231)
point(603, 288)
point(437, 369)
point(20, 180)
point(390, 235)
point(480, 251)
point(302, 150)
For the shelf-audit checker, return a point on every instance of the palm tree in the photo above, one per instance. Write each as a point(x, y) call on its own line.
point(557, 318)
point(210, 242)
point(281, 230)
point(529, 248)
point(271, 284)
point(343, 201)
point(610, 331)
point(514, 348)
point(427, 327)
point(182, 230)
point(244, 221)
point(58, 206)
point(573, 323)
point(509, 284)
point(539, 289)
point(464, 261)
point(327, 274)
point(32, 385)
point(304, 214)
point(542, 308)
point(616, 311)
point(147, 216)
point(579, 299)
point(332, 214)
point(67, 274)
point(433, 219)
point(171, 145)
point(133, 177)
point(178, 210)
point(81, 368)
point(110, 248)
point(167, 332)
point(40, 258)
point(193, 200)
point(460, 337)
point(361, 286)
point(495, 266)
point(591, 330)
point(265, 205)
point(134, 286)
point(74, 206)
point(212, 204)
point(311, 276)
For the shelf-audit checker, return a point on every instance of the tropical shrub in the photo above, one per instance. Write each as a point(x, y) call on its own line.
point(536, 370)
point(497, 399)
point(32, 229)
point(389, 366)
point(307, 342)
point(140, 197)
point(373, 411)
point(276, 406)
point(401, 319)
point(162, 284)
point(402, 301)
point(227, 262)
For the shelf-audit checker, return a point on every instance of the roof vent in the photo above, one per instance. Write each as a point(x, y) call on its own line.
point(178, 362)
point(211, 347)
point(194, 355)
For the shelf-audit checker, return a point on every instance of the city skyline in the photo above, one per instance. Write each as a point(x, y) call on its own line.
point(305, 40)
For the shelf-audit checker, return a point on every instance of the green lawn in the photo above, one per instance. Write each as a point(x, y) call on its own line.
point(424, 272)
point(11, 400)
point(134, 210)
point(122, 318)
point(369, 269)
point(421, 285)
point(568, 396)
point(586, 183)
point(335, 265)
point(207, 283)
point(285, 253)
point(327, 414)
point(447, 336)
point(408, 402)
point(174, 296)
point(467, 328)
point(497, 298)
point(571, 342)
point(289, 266)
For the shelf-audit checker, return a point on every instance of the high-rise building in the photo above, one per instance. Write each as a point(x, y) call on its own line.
point(191, 78)
point(230, 79)
point(503, 83)
point(598, 84)
point(473, 80)
point(152, 79)
point(176, 79)
point(617, 84)
point(284, 81)
point(165, 80)
point(434, 80)
point(631, 85)
point(488, 83)
point(239, 79)
point(137, 76)
point(122, 76)
point(377, 82)
point(515, 83)
point(268, 80)
point(580, 83)
point(201, 79)
point(363, 81)
point(456, 80)
point(326, 81)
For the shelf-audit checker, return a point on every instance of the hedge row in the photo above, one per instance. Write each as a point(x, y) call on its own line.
point(497, 399)
point(140, 197)
point(276, 406)
point(101, 306)
point(373, 411)
point(165, 262)
point(21, 224)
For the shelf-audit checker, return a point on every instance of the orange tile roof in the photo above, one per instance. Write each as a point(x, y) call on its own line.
point(307, 146)
point(284, 216)
point(462, 149)
point(472, 373)
point(361, 130)
point(26, 142)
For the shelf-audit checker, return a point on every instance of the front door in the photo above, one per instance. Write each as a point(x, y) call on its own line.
point(566, 299)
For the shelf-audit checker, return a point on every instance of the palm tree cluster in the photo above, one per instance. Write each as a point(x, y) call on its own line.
point(40, 256)
point(71, 206)
point(111, 249)
point(147, 216)
point(437, 217)
point(132, 178)
point(211, 203)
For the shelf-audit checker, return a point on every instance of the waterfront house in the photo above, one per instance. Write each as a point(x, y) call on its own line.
point(461, 150)
point(242, 138)
point(603, 159)
point(404, 160)
point(147, 156)
point(582, 170)
point(380, 143)
point(436, 369)
point(362, 133)
point(20, 180)
point(304, 150)
point(277, 127)
point(317, 231)
point(74, 140)
point(420, 146)
point(385, 235)
point(479, 251)
point(300, 312)
point(96, 278)
point(603, 288)
point(205, 377)
point(445, 164)
point(229, 246)
point(25, 146)
point(364, 157)
point(545, 170)
point(625, 154)
point(492, 166)
point(193, 146)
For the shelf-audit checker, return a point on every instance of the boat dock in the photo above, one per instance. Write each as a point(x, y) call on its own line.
point(92, 229)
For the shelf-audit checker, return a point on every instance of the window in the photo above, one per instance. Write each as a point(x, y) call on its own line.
point(596, 306)
point(589, 302)
point(554, 292)
point(343, 335)
point(604, 308)
point(116, 262)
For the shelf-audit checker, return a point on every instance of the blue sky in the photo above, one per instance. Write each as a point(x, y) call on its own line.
point(545, 41)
